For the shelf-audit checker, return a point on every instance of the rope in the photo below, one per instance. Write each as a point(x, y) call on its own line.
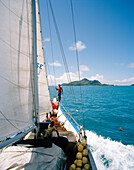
point(63, 54)
point(51, 45)
point(20, 131)
point(48, 70)
point(77, 57)
point(70, 115)
point(57, 117)
point(43, 49)
point(9, 121)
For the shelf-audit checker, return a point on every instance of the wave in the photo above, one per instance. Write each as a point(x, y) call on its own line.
point(110, 155)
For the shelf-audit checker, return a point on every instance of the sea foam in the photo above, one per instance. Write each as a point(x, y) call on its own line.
point(110, 155)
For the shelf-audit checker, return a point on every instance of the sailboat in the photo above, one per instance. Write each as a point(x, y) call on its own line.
point(26, 111)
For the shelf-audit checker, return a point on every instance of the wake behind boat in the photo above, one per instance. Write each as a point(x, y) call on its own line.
point(26, 112)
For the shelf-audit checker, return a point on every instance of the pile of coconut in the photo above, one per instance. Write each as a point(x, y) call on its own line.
point(81, 162)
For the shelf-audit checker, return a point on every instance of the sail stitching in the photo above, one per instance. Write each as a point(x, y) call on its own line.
point(14, 48)
point(14, 12)
point(14, 83)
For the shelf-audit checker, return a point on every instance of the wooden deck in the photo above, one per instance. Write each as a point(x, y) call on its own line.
point(62, 131)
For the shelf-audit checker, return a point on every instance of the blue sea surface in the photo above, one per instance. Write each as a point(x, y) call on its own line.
point(103, 110)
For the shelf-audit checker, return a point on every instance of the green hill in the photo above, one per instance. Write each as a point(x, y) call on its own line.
point(85, 82)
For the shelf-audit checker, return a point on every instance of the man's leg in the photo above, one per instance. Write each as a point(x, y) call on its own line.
point(59, 96)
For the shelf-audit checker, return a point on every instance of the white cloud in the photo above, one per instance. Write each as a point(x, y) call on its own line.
point(128, 81)
point(56, 64)
point(97, 77)
point(84, 68)
point(79, 45)
point(131, 65)
point(47, 40)
point(63, 78)
point(74, 77)
point(100, 78)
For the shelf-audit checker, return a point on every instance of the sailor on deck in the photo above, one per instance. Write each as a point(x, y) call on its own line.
point(51, 128)
point(59, 91)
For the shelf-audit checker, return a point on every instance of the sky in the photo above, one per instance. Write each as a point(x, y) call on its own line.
point(104, 40)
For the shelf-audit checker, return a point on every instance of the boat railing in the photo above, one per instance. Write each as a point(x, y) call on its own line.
point(69, 114)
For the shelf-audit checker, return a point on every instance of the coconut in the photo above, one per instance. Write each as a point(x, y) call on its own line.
point(85, 152)
point(84, 160)
point(79, 155)
point(73, 167)
point(80, 148)
point(78, 168)
point(84, 142)
point(86, 166)
point(79, 163)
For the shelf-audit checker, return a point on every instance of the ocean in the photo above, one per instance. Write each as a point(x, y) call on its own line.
point(103, 110)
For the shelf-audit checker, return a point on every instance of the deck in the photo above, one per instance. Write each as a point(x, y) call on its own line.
point(62, 131)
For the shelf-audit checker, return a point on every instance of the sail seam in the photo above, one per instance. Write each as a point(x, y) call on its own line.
point(14, 12)
point(14, 83)
point(15, 48)
point(9, 120)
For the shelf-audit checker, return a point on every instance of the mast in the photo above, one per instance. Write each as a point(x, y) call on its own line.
point(35, 68)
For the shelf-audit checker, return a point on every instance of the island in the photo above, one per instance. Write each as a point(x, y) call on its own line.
point(132, 85)
point(85, 82)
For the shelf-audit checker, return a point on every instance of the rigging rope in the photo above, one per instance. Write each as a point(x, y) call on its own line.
point(51, 42)
point(43, 49)
point(62, 53)
point(49, 70)
point(77, 56)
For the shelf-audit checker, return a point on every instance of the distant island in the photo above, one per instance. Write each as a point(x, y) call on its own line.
point(132, 84)
point(85, 82)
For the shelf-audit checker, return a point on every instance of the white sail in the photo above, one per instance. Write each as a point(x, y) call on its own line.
point(43, 89)
point(16, 70)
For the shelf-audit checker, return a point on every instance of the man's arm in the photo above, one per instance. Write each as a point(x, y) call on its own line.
point(62, 90)
point(56, 131)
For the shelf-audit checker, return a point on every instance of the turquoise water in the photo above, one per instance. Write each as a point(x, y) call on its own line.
point(105, 110)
